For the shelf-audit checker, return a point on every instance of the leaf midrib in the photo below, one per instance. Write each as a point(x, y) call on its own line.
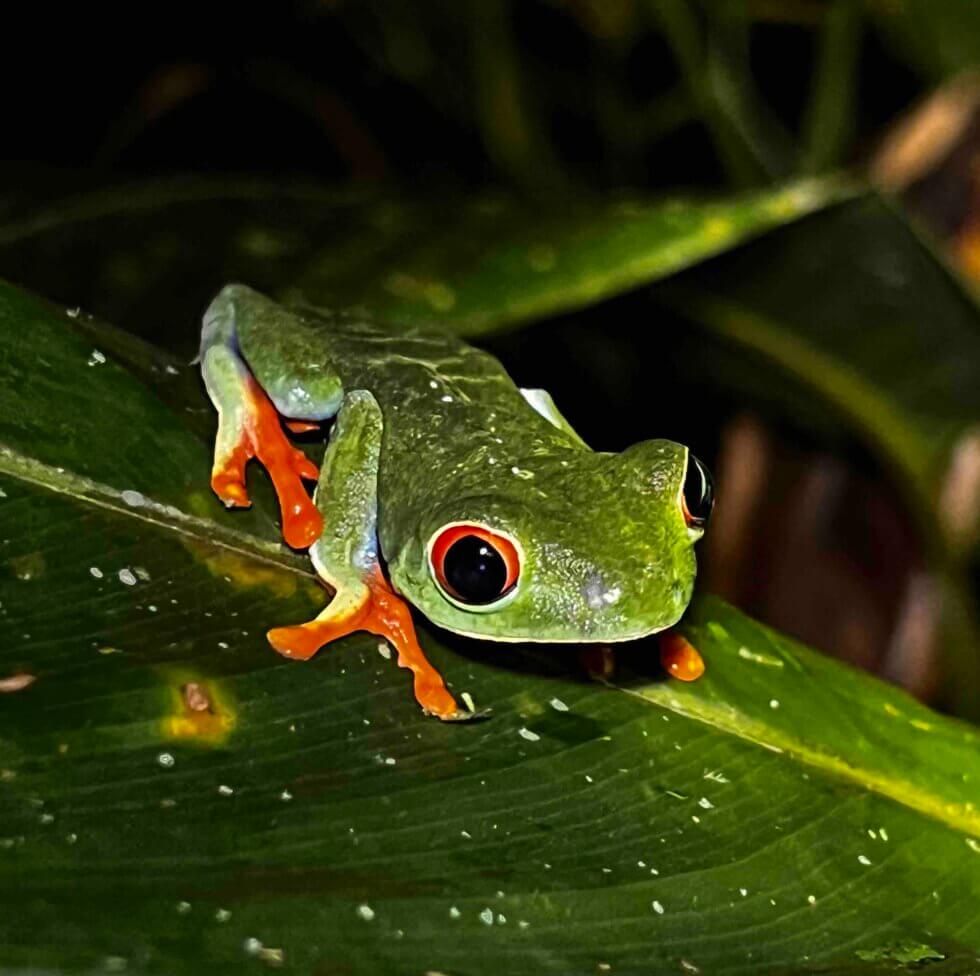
point(169, 517)
point(953, 813)
point(958, 815)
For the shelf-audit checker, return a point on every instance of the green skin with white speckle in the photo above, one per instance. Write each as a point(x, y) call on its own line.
point(432, 431)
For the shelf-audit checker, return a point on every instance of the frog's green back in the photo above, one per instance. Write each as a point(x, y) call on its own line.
point(605, 551)
point(452, 414)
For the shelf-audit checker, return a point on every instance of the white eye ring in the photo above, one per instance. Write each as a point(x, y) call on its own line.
point(506, 546)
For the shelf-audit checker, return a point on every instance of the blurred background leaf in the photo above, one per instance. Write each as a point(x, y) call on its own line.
point(154, 255)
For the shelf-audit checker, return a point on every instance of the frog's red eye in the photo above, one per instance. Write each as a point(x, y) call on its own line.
point(698, 495)
point(474, 565)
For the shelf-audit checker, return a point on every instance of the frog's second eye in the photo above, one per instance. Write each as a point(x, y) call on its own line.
point(698, 496)
point(474, 566)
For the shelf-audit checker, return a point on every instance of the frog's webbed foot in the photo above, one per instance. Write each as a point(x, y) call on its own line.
point(679, 658)
point(378, 610)
point(256, 432)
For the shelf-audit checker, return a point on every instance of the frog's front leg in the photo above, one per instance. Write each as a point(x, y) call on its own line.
point(346, 556)
point(249, 409)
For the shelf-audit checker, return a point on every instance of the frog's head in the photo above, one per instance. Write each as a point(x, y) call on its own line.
point(593, 547)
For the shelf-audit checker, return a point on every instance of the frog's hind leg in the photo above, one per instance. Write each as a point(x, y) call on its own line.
point(249, 405)
point(346, 556)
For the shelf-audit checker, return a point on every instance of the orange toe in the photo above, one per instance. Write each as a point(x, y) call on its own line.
point(680, 658)
point(390, 617)
point(385, 614)
point(263, 439)
point(301, 426)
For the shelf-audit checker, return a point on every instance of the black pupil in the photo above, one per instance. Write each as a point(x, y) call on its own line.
point(474, 570)
point(699, 492)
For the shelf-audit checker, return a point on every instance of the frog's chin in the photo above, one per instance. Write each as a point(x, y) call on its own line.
point(584, 639)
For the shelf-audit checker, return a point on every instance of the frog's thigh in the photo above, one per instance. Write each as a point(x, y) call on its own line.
point(346, 556)
point(248, 423)
point(287, 356)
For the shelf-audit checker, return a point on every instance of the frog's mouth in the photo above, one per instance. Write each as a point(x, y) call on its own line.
point(500, 639)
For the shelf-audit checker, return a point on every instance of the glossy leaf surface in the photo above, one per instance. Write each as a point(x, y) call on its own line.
point(175, 798)
point(150, 257)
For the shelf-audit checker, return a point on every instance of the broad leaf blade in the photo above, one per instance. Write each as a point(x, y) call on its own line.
point(484, 266)
point(151, 257)
point(309, 815)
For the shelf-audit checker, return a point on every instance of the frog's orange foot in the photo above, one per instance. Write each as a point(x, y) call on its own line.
point(302, 641)
point(680, 659)
point(301, 426)
point(385, 614)
point(389, 617)
point(262, 437)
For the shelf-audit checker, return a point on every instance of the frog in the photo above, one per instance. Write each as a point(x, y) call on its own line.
point(446, 488)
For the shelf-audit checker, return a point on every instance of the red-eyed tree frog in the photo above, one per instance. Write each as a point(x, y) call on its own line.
point(446, 488)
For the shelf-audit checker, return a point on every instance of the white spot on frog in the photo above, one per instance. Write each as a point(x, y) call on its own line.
point(127, 576)
point(366, 912)
point(96, 359)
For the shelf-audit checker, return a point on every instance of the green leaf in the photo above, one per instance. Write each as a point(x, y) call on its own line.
point(939, 37)
point(176, 798)
point(481, 267)
point(151, 257)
